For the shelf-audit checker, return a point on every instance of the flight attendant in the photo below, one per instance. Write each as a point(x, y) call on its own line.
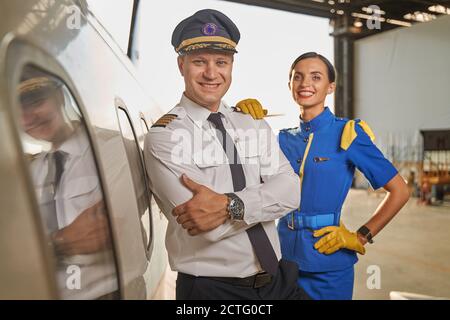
point(325, 150)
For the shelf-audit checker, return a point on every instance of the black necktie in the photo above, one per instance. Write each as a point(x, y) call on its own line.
point(55, 169)
point(257, 235)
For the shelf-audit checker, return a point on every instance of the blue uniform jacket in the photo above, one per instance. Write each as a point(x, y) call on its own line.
point(327, 178)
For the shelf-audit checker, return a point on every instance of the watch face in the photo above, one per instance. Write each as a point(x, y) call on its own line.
point(363, 230)
point(232, 205)
point(236, 209)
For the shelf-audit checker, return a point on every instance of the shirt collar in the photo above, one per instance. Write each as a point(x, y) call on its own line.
point(77, 144)
point(200, 114)
point(319, 122)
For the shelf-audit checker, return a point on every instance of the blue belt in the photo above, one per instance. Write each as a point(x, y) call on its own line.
point(299, 220)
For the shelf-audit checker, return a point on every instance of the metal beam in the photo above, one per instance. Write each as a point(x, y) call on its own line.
point(314, 9)
point(344, 62)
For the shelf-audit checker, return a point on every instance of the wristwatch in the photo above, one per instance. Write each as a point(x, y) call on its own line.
point(235, 207)
point(365, 232)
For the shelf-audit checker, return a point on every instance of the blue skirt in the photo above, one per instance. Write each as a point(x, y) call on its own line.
point(331, 285)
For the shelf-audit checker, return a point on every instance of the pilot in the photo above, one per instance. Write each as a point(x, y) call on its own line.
point(220, 193)
point(68, 189)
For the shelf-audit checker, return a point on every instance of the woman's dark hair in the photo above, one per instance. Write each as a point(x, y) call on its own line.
point(330, 68)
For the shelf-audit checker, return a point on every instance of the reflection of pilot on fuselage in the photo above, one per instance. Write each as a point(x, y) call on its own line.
point(68, 190)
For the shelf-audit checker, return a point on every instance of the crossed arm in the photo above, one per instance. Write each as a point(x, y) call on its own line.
point(194, 204)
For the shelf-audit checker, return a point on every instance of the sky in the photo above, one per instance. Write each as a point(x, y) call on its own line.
point(270, 41)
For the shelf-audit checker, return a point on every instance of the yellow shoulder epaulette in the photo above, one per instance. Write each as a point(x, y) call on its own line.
point(165, 120)
point(349, 133)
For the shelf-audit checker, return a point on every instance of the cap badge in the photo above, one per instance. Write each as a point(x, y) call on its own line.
point(209, 29)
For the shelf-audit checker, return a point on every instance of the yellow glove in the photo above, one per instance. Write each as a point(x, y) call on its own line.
point(337, 238)
point(252, 107)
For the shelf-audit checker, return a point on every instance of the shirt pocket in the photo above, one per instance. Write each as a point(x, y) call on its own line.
point(209, 155)
point(78, 195)
point(80, 187)
point(204, 161)
point(249, 155)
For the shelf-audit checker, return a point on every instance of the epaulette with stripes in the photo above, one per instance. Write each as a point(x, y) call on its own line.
point(165, 120)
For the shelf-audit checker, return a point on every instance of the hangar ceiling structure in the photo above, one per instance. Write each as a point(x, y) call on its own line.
point(355, 19)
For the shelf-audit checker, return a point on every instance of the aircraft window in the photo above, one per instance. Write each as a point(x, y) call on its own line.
point(134, 156)
point(144, 125)
point(115, 16)
point(144, 131)
point(67, 186)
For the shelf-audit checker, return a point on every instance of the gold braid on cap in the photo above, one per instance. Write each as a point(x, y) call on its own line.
point(34, 84)
point(207, 41)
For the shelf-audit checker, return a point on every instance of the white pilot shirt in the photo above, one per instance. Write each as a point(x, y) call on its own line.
point(79, 189)
point(189, 145)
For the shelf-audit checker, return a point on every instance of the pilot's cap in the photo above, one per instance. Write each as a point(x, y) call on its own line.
point(206, 29)
point(35, 89)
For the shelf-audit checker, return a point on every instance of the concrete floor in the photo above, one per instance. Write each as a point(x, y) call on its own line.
point(412, 253)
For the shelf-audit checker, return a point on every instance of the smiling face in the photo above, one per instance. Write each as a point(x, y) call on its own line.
point(207, 76)
point(309, 83)
point(43, 118)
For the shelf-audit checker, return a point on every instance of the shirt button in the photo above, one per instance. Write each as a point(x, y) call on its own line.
point(299, 161)
point(305, 140)
point(308, 128)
